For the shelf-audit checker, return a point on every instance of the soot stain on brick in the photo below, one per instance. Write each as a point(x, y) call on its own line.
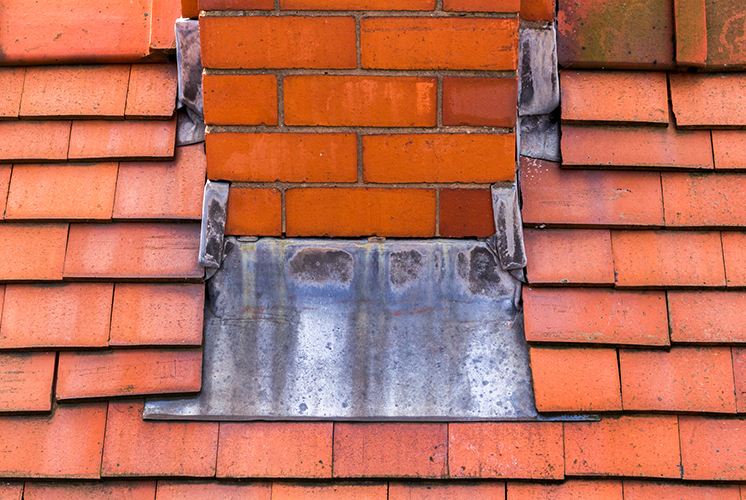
point(322, 265)
point(405, 267)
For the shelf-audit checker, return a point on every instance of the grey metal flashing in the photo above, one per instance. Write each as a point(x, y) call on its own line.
point(540, 137)
point(508, 237)
point(539, 92)
point(191, 123)
point(212, 231)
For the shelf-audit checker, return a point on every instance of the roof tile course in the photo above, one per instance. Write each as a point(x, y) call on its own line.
point(11, 81)
point(713, 448)
point(26, 381)
point(578, 256)
point(152, 88)
point(94, 140)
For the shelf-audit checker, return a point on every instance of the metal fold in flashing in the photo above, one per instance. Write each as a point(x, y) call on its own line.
point(360, 330)
point(214, 215)
point(191, 123)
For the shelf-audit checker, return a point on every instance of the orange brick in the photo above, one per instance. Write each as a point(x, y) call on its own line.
point(390, 450)
point(505, 450)
point(712, 316)
point(713, 448)
point(578, 489)
point(618, 96)
point(646, 446)
point(569, 256)
point(11, 81)
point(128, 373)
point(552, 195)
point(466, 213)
point(360, 212)
point(66, 444)
point(480, 101)
point(152, 88)
point(236, 4)
point(4, 186)
point(165, 14)
point(644, 490)
point(64, 315)
point(30, 141)
point(133, 250)
point(26, 381)
point(717, 100)
point(656, 147)
point(735, 257)
point(376, 101)
point(91, 140)
point(684, 379)
point(179, 490)
point(65, 490)
point(135, 447)
point(75, 91)
point(739, 372)
point(482, 5)
point(162, 190)
point(704, 199)
point(537, 10)
point(282, 157)
point(157, 314)
point(670, 258)
point(478, 158)
point(62, 191)
point(595, 316)
point(575, 379)
point(32, 251)
point(730, 148)
point(275, 449)
point(278, 42)
point(240, 99)
point(439, 43)
point(492, 490)
point(189, 8)
point(256, 212)
point(357, 4)
point(290, 491)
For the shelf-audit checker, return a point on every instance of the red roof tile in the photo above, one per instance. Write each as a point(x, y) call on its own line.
point(735, 257)
point(152, 88)
point(336, 491)
point(487, 490)
point(266, 449)
point(135, 447)
point(713, 316)
point(691, 32)
point(179, 490)
point(131, 490)
point(4, 186)
point(713, 100)
point(26, 381)
point(725, 32)
point(729, 147)
point(165, 13)
point(646, 446)
point(390, 450)
point(32, 251)
point(704, 200)
point(254, 211)
point(31, 140)
point(11, 81)
point(713, 448)
point(11, 491)
point(577, 256)
point(638, 490)
point(94, 140)
point(739, 375)
point(576, 489)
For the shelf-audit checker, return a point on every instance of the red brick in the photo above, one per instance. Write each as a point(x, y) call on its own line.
point(75, 91)
point(639, 490)
point(165, 14)
point(552, 195)
point(152, 88)
point(337, 491)
point(357, 4)
point(64, 315)
point(236, 5)
point(275, 449)
point(482, 5)
point(390, 450)
point(579, 489)
point(480, 101)
point(505, 450)
point(655, 147)
point(254, 211)
point(637, 35)
point(667, 258)
point(477, 158)
point(282, 157)
point(157, 314)
point(376, 101)
point(131, 490)
point(716, 100)
point(684, 379)
point(712, 316)
point(439, 43)
point(162, 190)
point(128, 373)
point(645, 446)
point(5, 171)
point(66, 31)
point(179, 490)
point(735, 258)
point(447, 491)
point(465, 213)
point(595, 316)
point(91, 140)
point(11, 81)
point(713, 448)
point(691, 32)
point(133, 250)
point(729, 147)
point(537, 10)
point(569, 256)
point(576, 379)
point(618, 96)
point(704, 199)
point(11, 490)
point(360, 212)
point(32, 251)
point(26, 381)
point(240, 99)
point(62, 191)
point(30, 141)
point(135, 447)
point(278, 42)
point(65, 444)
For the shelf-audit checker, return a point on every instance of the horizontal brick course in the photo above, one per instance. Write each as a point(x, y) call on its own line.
point(254, 211)
point(240, 99)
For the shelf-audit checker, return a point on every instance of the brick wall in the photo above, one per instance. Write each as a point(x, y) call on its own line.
point(360, 117)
